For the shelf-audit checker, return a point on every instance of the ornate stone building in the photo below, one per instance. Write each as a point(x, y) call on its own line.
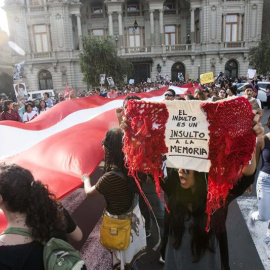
point(166, 36)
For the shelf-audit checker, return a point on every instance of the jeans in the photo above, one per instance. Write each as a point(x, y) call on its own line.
point(263, 196)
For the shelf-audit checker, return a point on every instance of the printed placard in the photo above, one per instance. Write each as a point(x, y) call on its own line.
point(20, 90)
point(187, 136)
point(110, 81)
point(207, 78)
point(251, 73)
point(102, 78)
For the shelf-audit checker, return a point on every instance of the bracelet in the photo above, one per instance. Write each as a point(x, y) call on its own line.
point(85, 177)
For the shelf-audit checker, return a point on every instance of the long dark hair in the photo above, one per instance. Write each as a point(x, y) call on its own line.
point(114, 156)
point(39, 105)
point(22, 194)
point(180, 214)
point(6, 104)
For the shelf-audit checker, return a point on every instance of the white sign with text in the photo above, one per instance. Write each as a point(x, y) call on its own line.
point(187, 136)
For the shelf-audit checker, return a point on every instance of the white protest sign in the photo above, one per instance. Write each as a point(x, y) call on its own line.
point(102, 78)
point(251, 73)
point(187, 136)
point(131, 81)
point(20, 90)
point(110, 81)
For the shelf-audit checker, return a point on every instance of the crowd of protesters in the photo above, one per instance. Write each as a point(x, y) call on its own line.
point(186, 244)
point(23, 110)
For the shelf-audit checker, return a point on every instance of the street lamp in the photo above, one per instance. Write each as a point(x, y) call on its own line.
point(135, 26)
point(158, 68)
point(188, 39)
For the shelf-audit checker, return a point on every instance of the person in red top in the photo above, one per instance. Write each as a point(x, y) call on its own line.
point(9, 113)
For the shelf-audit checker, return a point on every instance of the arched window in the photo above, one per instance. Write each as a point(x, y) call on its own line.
point(45, 80)
point(177, 68)
point(231, 69)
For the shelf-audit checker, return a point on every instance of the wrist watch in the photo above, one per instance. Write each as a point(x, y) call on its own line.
point(85, 177)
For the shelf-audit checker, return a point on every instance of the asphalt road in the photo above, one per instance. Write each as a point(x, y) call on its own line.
point(87, 213)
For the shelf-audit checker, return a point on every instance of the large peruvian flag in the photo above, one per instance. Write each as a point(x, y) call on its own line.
point(65, 142)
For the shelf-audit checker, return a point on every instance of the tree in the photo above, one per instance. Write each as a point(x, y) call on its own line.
point(99, 56)
point(259, 56)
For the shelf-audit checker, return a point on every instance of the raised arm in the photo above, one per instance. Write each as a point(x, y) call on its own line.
point(88, 188)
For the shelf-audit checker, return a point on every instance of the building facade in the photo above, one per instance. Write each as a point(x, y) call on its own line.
point(158, 36)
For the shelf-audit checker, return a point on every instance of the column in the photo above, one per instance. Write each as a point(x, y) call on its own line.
point(161, 27)
point(110, 24)
point(240, 27)
point(152, 27)
point(224, 28)
point(120, 31)
point(79, 26)
point(30, 39)
point(50, 37)
point(192, 25)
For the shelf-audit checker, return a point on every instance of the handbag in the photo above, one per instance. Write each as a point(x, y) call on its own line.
point(115, 233)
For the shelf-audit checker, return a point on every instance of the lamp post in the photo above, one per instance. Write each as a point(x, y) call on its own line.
point(135, 26)
point(199, 71)
point(188, 39)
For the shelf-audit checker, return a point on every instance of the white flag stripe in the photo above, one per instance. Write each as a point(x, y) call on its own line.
point(16, 140)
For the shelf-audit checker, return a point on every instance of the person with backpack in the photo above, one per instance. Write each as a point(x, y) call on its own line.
point(34, 217)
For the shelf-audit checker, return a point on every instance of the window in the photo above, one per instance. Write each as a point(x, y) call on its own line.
point(231, 69)
point(133, 6)
point(98, 32)
point(36, 2)
point(231, 28)
point(134, 37)
point(41, 38)
point(170, 35)
point(169, 5)
point(197, 31)
point(97, 10)
point(45, 80)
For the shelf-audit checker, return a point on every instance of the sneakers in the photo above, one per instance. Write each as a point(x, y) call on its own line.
point(251, 223)
point(267, 250)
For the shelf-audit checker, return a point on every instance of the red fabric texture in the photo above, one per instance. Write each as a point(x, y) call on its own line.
point(231, 146)
point(144, 140)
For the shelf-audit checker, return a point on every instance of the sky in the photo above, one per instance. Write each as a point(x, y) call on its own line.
point(3, 17)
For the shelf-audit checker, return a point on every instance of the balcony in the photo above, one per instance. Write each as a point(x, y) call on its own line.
point(238, 44)
point(41, 55)
point(37, 8)
point(187, 49)
point(137, 49)
point(180, 47)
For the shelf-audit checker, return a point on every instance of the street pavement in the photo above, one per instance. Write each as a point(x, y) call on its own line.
point(245, 247)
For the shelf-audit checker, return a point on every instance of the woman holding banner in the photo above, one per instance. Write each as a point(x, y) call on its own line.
point(189, 245)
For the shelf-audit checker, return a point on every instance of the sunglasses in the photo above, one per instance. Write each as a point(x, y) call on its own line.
point(168, 95)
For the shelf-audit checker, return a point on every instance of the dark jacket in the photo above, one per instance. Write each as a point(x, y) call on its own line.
point(220, 216)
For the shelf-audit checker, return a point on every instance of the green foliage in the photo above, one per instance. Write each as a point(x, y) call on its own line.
point(259, 56)
point(99, 56)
